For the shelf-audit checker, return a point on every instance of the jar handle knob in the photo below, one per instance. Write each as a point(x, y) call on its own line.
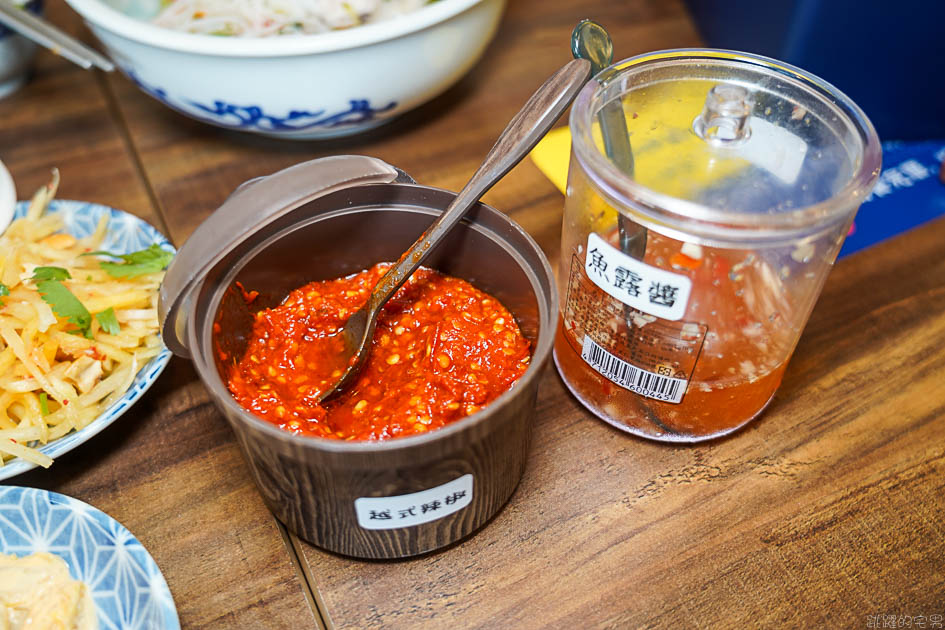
point(724, 119)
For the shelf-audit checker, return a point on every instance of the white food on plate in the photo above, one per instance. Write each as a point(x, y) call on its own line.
point(37, 593)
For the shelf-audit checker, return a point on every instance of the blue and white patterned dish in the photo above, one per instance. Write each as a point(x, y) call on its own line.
point(126, 233)
point(303, 86)
point(126, 584)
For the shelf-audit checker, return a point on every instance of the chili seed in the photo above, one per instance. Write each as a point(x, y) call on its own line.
point(443, 360)
point(360, 406)
point(393, 359)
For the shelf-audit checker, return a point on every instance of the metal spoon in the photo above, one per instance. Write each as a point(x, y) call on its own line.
point(520, 136)
point(591, 41)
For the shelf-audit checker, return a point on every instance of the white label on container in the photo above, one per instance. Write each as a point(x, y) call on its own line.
point(635, 283)
point(774, 149)
point(407, 510)
point(650, 384)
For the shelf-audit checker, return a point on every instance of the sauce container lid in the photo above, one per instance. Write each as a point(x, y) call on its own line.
point(725, 137)
point(254, 205)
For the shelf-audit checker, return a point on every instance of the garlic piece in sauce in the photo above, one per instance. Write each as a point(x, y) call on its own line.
point(691, 250)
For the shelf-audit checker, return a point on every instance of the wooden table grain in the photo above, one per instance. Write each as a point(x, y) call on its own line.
point(826, 512)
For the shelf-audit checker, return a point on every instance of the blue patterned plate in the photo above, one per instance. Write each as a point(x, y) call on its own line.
point(126, 233)
point(126, 584)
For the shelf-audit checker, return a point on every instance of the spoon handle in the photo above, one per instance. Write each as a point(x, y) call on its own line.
point(520, 136)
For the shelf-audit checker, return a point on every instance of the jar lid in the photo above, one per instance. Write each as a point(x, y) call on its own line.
point(254, 205)
point(727, 137)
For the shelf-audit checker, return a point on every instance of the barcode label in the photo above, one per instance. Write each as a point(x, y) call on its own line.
point(643, 382)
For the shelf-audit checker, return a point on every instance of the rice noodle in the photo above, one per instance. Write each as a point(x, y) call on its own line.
point(262, 18)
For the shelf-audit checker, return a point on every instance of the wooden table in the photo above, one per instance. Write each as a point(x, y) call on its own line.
point(825, 513)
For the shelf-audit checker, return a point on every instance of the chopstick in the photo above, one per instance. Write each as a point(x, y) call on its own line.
point(45, 34)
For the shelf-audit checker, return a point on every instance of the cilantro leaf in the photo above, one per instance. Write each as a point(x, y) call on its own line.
point(4, 290)
point(108, 321)
point(150, 260)
point(65, 304)
point(44, 403)
point(50, 273)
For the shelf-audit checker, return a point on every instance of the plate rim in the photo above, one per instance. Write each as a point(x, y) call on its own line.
point(8, 200)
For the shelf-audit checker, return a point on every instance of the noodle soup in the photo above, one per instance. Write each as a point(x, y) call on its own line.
point(263, 18)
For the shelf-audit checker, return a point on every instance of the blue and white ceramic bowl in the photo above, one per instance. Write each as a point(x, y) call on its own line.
point(297, 86)
point(126, 584)
point(126, 233)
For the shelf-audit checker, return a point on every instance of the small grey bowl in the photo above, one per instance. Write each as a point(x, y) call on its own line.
point(16, 54)
point(325, 219)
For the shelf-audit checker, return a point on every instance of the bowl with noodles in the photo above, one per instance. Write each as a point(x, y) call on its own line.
point(79, 340)
point(298, 69)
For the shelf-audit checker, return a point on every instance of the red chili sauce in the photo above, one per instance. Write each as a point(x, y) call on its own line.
point(442, 349)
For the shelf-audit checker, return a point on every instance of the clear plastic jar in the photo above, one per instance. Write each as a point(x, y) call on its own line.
point(692, 255)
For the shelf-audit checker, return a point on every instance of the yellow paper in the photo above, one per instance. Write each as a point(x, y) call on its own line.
point(551, 156)
point(668, 155)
